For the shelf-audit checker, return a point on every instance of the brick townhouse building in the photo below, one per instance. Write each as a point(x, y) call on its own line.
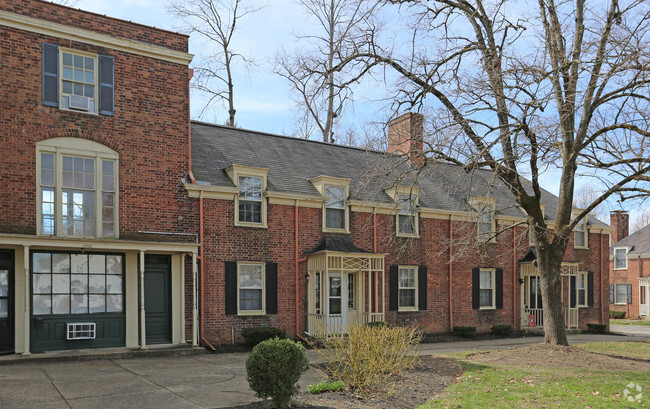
point(313, 237)
point(629, 288)
point(93, 140)
point(114, 232)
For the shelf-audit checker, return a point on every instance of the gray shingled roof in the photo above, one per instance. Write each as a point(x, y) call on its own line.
point(292, 162)
point(639, 241)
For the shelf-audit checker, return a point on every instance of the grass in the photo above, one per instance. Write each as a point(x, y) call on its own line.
point(629, 322)
point(636, 349)
point(483, 386)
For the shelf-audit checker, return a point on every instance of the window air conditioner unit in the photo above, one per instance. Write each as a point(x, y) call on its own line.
point(80, 330)
point(79, 102)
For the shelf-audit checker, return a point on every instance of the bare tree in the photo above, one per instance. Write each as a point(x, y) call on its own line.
point(640, 221)
point(584, 196)
point(559, 86)
point(320, 92)
point(69, 3)
point(215, 21)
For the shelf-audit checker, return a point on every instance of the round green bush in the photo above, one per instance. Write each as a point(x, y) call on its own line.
point(273, 369)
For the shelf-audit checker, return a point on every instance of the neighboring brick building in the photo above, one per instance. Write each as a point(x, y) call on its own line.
point(629, 276)
point(93, 139)
point(311, 237)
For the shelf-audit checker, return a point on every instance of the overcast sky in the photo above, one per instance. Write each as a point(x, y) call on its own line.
point(262, 99)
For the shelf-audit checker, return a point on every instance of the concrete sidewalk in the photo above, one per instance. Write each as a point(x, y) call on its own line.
point(191, 381)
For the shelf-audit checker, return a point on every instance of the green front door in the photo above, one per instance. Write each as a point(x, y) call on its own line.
point(158, 299)
point(6, 301)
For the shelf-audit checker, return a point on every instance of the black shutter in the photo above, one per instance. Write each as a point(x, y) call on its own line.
point(106, 87)
point(572, 291)
point(611, 293)
point(476, 303)
point(392, 289)
point(499, 288)
point(271, 288)
point(50, 75)
point(231, 288)
point(590, 288)
point(422, 288)
point(629, 293)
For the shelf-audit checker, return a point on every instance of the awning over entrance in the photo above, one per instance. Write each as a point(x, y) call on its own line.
point(346, 287)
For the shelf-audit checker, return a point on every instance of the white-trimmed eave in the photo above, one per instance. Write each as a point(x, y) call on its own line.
point(210, 191)
point(95, 244)
point(49, 28)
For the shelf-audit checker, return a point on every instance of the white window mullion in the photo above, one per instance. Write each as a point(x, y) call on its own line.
point(58, 194)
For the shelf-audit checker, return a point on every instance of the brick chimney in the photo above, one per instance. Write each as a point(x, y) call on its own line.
point(405, 137)
point(620, 221)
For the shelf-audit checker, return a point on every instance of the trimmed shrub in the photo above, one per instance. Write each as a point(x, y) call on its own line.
point(617, 315)
point(258, 334)
point(375, 324)
point(464, 331)
point(367, 360)
point(273, 369)
point(597, 328)
point(323, 386)
point(501, 330)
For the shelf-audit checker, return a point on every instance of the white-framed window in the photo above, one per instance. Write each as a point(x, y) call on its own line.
point(581, 289)
point(77, 188)
point(485, 223)
point(580, 234)
point(74, 283)
point(250, 199)
point(620, 258)
point(406, 215)
point(335, 208)
point(78, 80)
point(486, 289)
point(250, 289)
point(317, 293)
point(620, 293)
point(407, 284)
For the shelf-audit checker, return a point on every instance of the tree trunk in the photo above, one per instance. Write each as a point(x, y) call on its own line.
point(549, 263)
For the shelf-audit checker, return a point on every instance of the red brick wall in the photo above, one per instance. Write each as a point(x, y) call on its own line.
point(225, 242)
point(149, 129)
point(630, 276)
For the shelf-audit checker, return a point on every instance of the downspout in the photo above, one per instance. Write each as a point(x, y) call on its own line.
point(297, 261)
point(189, 133)
point(602, 307)
point(374, 230)
point(451, 236)
point(201, 325)
point(514, 281)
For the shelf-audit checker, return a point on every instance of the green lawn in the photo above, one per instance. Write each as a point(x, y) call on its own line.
point(629, 322)
point(640, 349)
point(486, 386)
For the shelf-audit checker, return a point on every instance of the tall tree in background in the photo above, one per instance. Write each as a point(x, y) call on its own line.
point(528, 88)
point(215, 21)
point(640, 221)
point(584, 196)
point(320, 92)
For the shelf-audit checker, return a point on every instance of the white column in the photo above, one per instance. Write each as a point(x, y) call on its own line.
point(195, 328)
point(28, 300)
point(143, 334)
point(369, 313)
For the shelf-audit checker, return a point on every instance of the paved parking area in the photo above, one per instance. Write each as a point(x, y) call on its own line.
point(161, 382)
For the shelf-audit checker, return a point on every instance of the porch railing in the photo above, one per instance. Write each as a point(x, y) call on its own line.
point(332, 325)
point(570, 318)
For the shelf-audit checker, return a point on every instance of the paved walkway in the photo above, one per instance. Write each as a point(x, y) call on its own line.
point(192, 381)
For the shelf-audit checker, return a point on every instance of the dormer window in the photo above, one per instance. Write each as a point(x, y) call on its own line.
point(580, 234)
point(485, 219)
point(406, 215)
point(250, 204)
point(250, 199)
point(335, 207)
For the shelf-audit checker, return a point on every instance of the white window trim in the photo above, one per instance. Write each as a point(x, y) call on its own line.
point(320, 183)
point(234, 172)
point(586, 288)
point(413, 191)
point(585, 230)
point(80, 148)
point(625, 258)
point(415, 281)
point(492, 272)
point(253, 312)
point(625, 301)
point(479, 203)
point(96, 79)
